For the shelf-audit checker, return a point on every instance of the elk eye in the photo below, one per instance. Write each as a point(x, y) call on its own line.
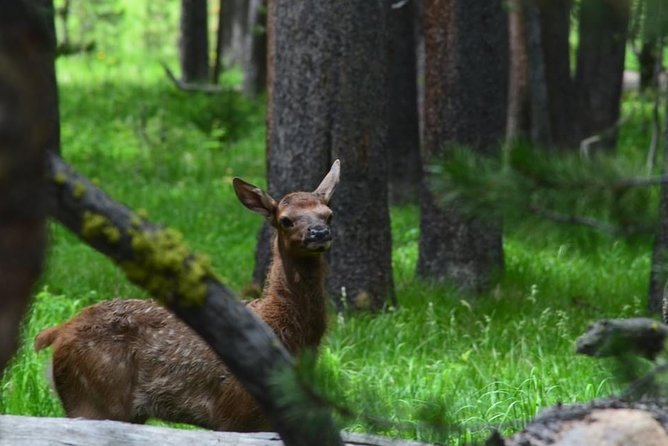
point(285, 222)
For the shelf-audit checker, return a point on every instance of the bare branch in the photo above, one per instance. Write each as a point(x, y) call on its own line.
point(575, 219)
point(184, 86)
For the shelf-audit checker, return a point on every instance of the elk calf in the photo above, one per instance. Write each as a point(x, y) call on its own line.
point(130, 360)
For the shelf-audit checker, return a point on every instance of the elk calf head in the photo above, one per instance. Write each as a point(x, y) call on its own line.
point(302, 219)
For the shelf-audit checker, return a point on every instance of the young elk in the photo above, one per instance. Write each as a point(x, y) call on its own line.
point(130, 360)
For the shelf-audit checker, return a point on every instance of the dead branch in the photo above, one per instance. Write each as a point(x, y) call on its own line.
point(184, 86)
point(618, 337)
point(575, 219)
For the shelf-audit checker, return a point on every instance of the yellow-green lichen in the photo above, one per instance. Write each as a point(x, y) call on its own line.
point(79, 190)
point(60, 178)
point(98, 226)
point(165, 266)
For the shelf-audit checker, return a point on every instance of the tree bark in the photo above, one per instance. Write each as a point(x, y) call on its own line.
point(540, 130)
point(26, 128)
point(235, 28)
point(555, 30)
point(517, 124)
point(255, 60)
point(194, 41)
point(328, 100)
point(465, 105)
point(45, 10)
point(189, 287)
point(600, 67)
point(218, 52)
point(403, 142)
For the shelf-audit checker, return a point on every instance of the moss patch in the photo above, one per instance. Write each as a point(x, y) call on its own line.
point(167, 268)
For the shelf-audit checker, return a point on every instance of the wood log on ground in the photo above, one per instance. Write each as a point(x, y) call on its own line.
point(617, 337)
point(156, 259)
point(37, 431)
point(600, 423)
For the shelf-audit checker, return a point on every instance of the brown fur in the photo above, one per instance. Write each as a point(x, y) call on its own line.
point(130, 360)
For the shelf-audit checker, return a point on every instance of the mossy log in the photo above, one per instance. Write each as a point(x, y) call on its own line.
point(36, 431)
point(158, 260)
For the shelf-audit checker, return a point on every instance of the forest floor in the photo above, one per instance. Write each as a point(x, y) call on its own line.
point(441, 366)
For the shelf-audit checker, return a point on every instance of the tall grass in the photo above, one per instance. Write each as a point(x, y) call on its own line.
point(442, 366)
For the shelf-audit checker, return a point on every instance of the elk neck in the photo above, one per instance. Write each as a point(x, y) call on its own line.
point(296, 285)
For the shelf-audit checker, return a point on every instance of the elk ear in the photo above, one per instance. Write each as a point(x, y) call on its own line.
point(254, 198)
point(328, 184)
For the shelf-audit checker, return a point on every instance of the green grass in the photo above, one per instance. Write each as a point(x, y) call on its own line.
point(440, 359)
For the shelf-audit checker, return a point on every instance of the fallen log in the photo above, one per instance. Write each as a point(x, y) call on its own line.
point(600, 423)
point(618, 337)
point(38, 431)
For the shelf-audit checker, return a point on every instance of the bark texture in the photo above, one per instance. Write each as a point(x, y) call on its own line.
point(194, 41)
point(255, 57)
point(235, 27)
point(554, 16)
point(156, 259)
point(45, 11)
point(517, 124)
point(600, 67)
point(403, 142)
point(26, 127)
point(465, 105)
point(328, 99)
point(540, 128)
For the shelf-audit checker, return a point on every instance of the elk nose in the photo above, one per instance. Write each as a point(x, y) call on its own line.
point(319, 233)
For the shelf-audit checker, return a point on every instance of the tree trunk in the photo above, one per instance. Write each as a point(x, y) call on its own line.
point(218, 53)
point(465, 105)
point(600, 67)
point(540, 130)
point(517, 125)
point(328, 99)
point(403, 142)
point(555, 29)
point(255, 59)
point(420, 61)
point(235, 28)
point(194, 41)
point(658, 279)
point(647, 59)
point(25, 49)
point(45, 10)
point(654, 29)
